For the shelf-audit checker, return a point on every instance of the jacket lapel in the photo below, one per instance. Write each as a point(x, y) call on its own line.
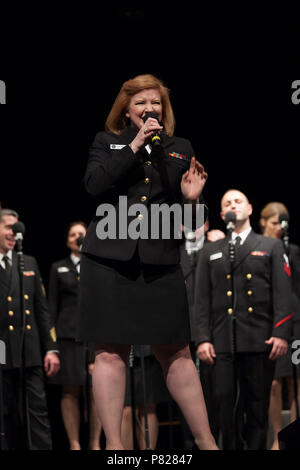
point(249, 245)
point(225, 246)
point(4, 283)
point(14, 273)
point(71, 265)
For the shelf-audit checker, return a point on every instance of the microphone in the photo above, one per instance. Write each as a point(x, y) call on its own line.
point(230, 220)
point(155, 139)
point(19, 229)
point(190, 238)
point(284, 221)
point(79, 241)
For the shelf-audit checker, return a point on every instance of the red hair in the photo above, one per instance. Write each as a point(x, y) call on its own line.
point(116, 121)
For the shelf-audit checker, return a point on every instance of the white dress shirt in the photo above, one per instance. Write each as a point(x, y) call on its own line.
point(76, 259)
point(9, 256)
point(243, 235)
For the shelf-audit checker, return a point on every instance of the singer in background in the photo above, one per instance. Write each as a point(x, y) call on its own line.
point(271, 227)
point(39, 337)
point(63, 304)
point(132, 290)
point(259, 295)
point(155, 393)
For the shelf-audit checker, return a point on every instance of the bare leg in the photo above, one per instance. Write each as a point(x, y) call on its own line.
point(184, 385)
point(126, 428)
point(275, 409)
point(95, 425)
point(127, 435)
point(290, 383)
point(152, 425)
point(109, 390)
point(71, 414)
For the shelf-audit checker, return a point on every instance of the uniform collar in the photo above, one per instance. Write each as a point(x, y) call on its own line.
point(8, 254)
point(75, 259)
point(243, 235)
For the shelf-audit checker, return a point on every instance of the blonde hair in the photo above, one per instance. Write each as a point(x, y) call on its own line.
point(116, 121)
point(273, 208)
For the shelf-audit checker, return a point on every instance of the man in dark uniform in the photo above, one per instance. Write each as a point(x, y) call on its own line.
point(256, 294)
point(39, 338)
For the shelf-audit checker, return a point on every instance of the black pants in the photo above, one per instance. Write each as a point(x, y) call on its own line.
point(37, 409)
point(255, 373)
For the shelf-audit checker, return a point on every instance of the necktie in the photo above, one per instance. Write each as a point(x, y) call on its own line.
point(237, 243)
point(7, 264)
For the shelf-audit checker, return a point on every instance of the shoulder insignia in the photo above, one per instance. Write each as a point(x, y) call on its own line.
point(286, 265)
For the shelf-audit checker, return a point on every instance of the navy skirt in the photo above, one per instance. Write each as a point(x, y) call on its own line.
point(128, 302)
point(73, 363)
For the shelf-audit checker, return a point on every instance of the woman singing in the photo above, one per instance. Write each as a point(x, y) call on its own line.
point(132, 290)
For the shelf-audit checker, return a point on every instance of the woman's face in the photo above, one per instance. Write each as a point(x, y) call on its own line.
point(75, 233)
point(272, 227)
point(145, 101)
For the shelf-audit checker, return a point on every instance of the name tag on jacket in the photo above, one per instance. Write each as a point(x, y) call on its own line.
point(215, 256)
point(63, 269)
point(116, 146)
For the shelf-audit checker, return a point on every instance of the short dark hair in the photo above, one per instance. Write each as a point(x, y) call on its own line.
point(72, 224)
point(8, 212)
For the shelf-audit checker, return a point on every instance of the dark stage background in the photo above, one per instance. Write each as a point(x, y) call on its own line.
point(230, 70)
point(230, 73)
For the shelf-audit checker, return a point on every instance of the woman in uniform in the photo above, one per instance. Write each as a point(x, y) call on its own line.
point(146, 394)
point(132, 289)
point(270, 224)
point(63, 304)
